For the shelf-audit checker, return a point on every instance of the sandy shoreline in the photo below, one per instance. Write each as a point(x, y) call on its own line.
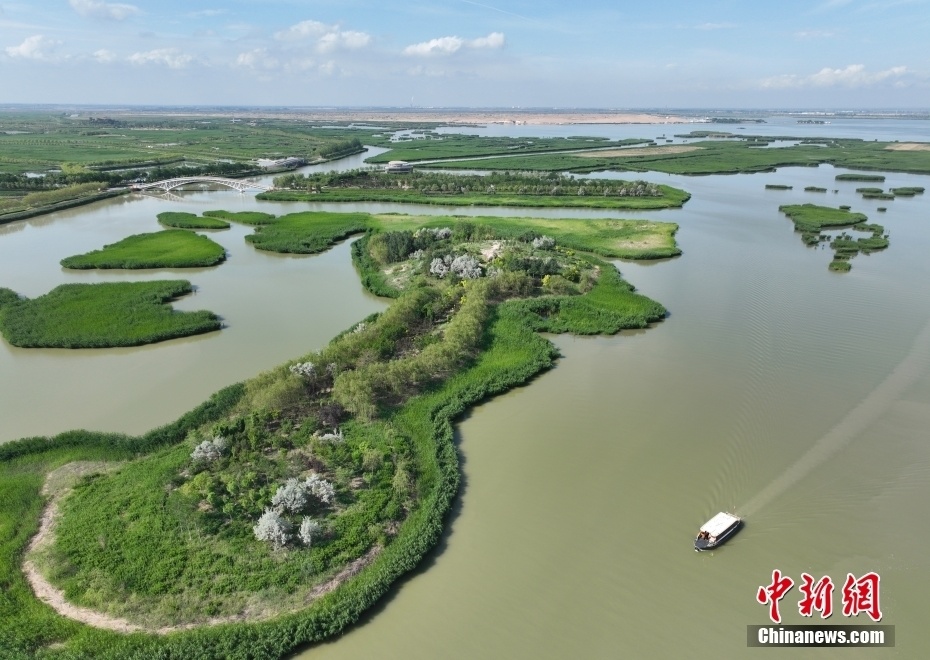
point(498, 117)
point(449, 117)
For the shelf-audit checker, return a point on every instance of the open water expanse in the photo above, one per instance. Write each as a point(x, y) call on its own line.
point(797, 397)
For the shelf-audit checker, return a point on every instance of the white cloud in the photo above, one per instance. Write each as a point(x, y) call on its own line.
point(98, 9)
point(303, 30)
point(257, 58)
point(351, 40)
point(328, 37)
point(854, 75)
point(104, 56)
point(36, 47)
point(169, 57)
point(449, 45)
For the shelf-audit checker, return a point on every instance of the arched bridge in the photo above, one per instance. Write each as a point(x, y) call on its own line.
point(170, 184)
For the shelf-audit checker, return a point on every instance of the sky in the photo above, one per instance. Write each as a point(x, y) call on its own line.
point(811, 54)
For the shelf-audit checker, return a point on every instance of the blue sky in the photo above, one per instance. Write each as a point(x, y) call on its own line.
point(444, 53)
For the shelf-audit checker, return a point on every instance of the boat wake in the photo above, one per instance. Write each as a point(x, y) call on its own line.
point(863, 415)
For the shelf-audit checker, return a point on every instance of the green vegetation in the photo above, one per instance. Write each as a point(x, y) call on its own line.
point(811, 220)
point(101, 315)
point(495, 189)
point(877, 196)
point(870, 191)
point(815, 189)
point(714, 156)
point(907, 191)
point(124, 146)
point(242, 217)
point(172, 248)
point(860, 177)
point(197, 523)
point(777, 186)
point(306, 233)
point(810, 217)
point(310, 232)
point(428, 145)
point(182, 220)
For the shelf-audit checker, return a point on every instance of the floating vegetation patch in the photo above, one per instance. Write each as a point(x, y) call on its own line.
point(907, 191)
point(860, 177)
point(777, 186)
point(815, 189)
point(811, 220)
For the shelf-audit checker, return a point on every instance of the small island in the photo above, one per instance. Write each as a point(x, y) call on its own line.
point(812, 221)
point(172, 248)
point(104, 315)
point(497, 189)
point(291, 503)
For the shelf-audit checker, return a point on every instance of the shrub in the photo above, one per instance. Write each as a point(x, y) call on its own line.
point(310, 529)
point(209, 450)
point(273, 528)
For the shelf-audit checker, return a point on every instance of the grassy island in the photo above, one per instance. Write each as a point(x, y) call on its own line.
point(496, 189)
point(812, 220)
point(286, 507)
point(182, 220)
point(172, 248)
point(101, 315)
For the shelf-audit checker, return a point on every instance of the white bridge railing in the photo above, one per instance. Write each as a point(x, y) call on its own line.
point(170, 184)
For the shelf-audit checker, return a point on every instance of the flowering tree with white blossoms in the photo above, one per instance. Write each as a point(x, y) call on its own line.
point(273, 528)
point(209, 450)
point(310, 530)
point(291, 497)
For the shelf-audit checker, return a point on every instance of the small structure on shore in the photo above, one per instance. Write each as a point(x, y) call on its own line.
point(398, 167)
point(289, 163)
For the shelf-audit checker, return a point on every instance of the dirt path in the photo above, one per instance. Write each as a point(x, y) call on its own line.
point(58, 483)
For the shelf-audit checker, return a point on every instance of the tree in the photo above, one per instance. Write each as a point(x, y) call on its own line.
point(273, 528)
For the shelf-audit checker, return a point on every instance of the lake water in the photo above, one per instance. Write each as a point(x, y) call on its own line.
point(797, 397)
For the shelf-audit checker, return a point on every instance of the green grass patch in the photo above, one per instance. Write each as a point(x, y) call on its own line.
point(307, 233)
point(242, 217)
point(715, 156)
point(182, 220)
point(815, 189)
point(907, 191)
point(851, 176)
point(870, 191)
point(102, 316)
point(172, 248)
point(811, 217)
point(887, 196)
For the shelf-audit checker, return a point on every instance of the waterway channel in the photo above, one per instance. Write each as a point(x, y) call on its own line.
point(797, 397)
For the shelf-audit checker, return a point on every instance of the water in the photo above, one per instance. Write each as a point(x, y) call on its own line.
point(795, 396)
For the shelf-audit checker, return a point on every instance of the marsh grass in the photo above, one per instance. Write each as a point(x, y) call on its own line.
point(102, 316)
point(182, 220)
point(172, 248)
point(242, 217)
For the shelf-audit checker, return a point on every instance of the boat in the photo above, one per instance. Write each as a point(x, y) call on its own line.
point(716, 530)
point(398, 167)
